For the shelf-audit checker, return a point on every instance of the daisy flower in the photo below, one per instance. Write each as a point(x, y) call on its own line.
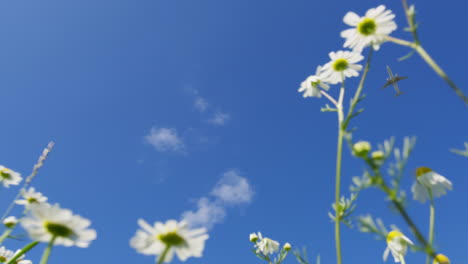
point(6, 255)
point(9, 177)
point(397, 244)
point(46, 222)
point(10, 222)
point(266, 246)
point(342, 64)
point(31, 197)
point(370, 29)
point(429, 184)
point(166, 239)
point(310, 86)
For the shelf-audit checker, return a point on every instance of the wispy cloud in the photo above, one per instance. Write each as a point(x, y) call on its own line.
point(165, 140)
point(200, 104)
point(219, 118)
point(232, 189)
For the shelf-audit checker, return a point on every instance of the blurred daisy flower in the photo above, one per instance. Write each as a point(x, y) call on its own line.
point(342, 64)
point(429, 184)
point(311, 86)
point(9, 177)
point(370, 29)
point(10, 222)
point(6, 255)
point(397, 244)
point(31, 197)
point(266, 246)
point(46, 222)
point(166, 239)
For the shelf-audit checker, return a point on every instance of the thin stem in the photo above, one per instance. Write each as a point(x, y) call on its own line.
point(357, 94)
point(23, 251)
point(431, 224)
point(27, 181)
point(402, 259)
point(332, 100)
point(401, 42)
point(411, 22)
point(427, 58)
point(46, 254)
point(163, 255)
point(5, 234)
point(339, 153)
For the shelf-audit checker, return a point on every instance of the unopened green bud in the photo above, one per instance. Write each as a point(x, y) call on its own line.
point(10, 222)
point(377, 155)
point(361, 149)
point(287, 247)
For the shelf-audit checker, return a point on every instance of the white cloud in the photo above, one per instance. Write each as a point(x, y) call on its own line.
point(208, 214)
point(200, 104)
point(219, 118)
point(231, 189)
point(165, 140)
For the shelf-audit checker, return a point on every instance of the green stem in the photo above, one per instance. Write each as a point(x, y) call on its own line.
point(402, 259)
point(339, 153)
point(46, 254)
point(431, 225)
point(427, 58)
point(23, 251)
point(5, 234)
point(163, 255)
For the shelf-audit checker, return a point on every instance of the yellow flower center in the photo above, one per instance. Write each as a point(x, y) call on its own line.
point(172, 239)
point(367, 27)
point(422, 170)
point(392, 235)
point(3, 259)
point(5, 173)
point(32, 200)
point(340, 65)
point(58, 230)
point(441, 259)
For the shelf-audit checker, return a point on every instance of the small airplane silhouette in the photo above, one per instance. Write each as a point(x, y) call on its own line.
point(392, 80)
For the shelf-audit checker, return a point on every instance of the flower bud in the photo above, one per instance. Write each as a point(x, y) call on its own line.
point(377, 155)
point(287, 247)
point(441, 259)
point(10, 222)
point(361, 149)
point(253, 237)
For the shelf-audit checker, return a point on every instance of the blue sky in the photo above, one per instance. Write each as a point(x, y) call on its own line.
point(219, 80)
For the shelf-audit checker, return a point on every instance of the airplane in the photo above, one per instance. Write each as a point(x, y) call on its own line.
point(393, 79)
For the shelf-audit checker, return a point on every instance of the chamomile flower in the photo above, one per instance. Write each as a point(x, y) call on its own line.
point(10, 222)
point(266, 246)
point(429, 184)
point(311, 86)
point(397, 244)
point(31, 197)
point(173, 236)
point(9, 177)
point(370, 29)
point(342, 65)
point(6, 255)
point(46, 222)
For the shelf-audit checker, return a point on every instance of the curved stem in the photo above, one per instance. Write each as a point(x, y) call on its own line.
point(431, 225)
point(23, 251)
point(163, 255)
point(46, 254)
